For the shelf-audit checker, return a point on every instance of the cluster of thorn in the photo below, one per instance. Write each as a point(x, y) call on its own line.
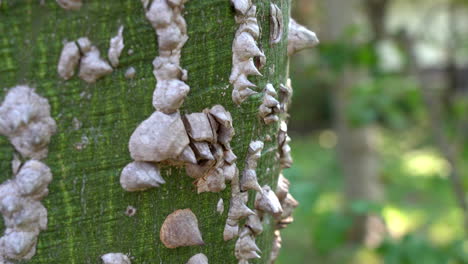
point(265, 202)
point(162, 136)
point(247, 58)
point(285, 199)
point(270, 107)
point(167, 20)
point(211, 160)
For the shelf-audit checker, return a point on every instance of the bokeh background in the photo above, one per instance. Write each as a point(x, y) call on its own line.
point(379, 124)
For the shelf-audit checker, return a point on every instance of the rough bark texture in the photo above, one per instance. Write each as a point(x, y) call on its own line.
point(86, 204)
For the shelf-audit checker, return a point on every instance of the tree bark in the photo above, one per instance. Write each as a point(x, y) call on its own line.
point(86, 204)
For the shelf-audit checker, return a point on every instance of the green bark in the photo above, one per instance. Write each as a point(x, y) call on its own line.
point(86, 204)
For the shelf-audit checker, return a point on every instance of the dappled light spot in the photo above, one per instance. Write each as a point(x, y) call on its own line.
point(329, 202)
point(400, 222)
point(447, 228)
point(367, 256)
point(328, 139)
point(425, 163)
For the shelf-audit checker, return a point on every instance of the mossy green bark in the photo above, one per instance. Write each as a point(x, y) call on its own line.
point(86, 203)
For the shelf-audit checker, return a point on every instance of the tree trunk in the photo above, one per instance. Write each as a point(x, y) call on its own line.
point(86, 204)
point(356, 145)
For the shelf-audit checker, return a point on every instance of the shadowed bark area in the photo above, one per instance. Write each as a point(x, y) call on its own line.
point(86, 204)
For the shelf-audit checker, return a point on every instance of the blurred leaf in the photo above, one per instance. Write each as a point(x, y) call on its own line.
point(362, 207)
point(330, 231)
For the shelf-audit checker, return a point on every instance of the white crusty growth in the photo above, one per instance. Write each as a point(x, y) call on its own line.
point(130, 73)
point(116, 45)
point(199, 258)
point(115, 258)
point(25, 119)
point(167, 20)
point(300, 38)
point(220, 206)
point(245, 50)
point(92, 66)
point(69, 59)
point(23, 214)
point(70, 4)
point(138, 176)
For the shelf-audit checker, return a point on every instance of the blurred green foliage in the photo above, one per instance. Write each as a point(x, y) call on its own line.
point(392, 100)
point(424, 222)
point(419, 208)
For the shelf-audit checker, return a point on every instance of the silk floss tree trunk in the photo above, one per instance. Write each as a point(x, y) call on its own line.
point(145, 132)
